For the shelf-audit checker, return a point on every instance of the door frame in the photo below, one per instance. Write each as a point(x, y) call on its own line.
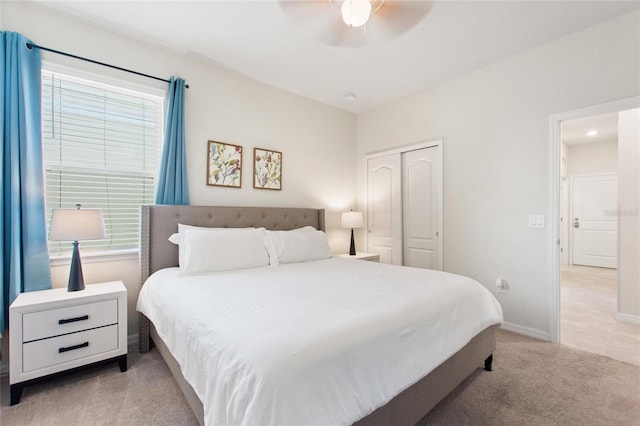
point(565, 226)
point(400, 150)
point(554, 232)
point(570, 202)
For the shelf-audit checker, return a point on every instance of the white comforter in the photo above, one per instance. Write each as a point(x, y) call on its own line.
point(324, 342)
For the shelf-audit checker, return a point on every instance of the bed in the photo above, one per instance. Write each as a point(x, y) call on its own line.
point(407, 405)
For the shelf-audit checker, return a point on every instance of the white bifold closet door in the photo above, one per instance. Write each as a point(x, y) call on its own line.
point(421, 208)
point(404, 207)
point(384, 208)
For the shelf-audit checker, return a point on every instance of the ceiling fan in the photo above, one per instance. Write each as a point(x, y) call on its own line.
point(351, 23)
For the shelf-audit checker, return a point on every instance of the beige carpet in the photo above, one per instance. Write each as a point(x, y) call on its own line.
point(540, 383)
point(533, 383)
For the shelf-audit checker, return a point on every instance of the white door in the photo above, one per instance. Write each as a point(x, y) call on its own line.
point(594, 220)
point(384, 208)
point(421, 205)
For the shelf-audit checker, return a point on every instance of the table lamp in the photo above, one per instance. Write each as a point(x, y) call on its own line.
point(76, 225)
point(352, 220)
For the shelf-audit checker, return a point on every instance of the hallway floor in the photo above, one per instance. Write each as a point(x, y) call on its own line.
point(588, 314)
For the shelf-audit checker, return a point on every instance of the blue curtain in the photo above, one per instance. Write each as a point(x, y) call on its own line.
point(25, 260)
point(172, 181)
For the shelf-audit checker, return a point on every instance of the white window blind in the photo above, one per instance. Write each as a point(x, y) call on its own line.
point(101, 147)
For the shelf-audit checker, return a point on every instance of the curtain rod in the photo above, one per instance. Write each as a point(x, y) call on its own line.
point(35, 46)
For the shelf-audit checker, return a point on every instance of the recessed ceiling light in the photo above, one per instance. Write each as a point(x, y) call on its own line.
point(592, 133)
point(349, 97)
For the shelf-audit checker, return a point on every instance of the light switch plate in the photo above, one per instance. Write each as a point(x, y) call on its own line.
point(536, 221)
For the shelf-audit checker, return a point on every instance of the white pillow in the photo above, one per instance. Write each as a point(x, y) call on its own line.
point(177, 237)
point(304, 229)
point(220, 249)
point(295, 246)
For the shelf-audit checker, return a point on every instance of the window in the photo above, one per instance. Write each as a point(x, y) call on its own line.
point(101, 146)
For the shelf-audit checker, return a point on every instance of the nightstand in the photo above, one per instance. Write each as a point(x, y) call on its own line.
point(372, 257)
point(51, 331)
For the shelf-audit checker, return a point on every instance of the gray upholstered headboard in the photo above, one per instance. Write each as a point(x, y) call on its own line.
point(159, 222)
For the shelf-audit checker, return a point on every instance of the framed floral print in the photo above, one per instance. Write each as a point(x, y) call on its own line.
point(224, 164)
point(267, 169)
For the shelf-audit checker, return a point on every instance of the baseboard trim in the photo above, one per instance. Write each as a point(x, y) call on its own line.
point(633, 319)
point(527, 331)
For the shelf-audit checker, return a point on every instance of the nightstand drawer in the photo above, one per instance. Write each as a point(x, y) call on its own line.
point(57, 350)
point(54, 322)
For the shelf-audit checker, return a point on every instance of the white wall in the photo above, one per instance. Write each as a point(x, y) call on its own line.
point(495, 127)
point(629, 215)
point(317, 141)
point(589, 158)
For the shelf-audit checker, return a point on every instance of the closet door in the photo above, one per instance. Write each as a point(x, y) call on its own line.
point(422, 207)
point(384, 208)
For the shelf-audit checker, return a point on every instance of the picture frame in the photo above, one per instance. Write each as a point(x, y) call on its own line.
point(267, 169)
point(224, 164)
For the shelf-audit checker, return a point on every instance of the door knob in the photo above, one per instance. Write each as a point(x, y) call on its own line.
point(576, 223)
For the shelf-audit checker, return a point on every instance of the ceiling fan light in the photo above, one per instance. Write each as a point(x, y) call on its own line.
point(355, 13)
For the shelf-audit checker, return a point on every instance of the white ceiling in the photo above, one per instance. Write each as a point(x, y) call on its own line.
point(574, 132)
point(260, 39)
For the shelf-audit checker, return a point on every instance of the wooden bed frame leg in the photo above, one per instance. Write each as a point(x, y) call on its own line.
point(488, 363)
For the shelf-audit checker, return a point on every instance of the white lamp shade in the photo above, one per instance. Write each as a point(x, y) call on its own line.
point(77, 225)
point(352, 220)
point(356, 12)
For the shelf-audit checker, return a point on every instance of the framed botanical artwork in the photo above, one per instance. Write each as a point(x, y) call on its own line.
point(224, 164)
point(267, 169)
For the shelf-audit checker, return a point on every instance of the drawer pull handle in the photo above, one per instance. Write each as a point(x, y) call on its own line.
point(68, 320)
point(70, 348)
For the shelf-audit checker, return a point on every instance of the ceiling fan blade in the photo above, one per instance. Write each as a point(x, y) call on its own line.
point(317, 18)
point(305, 11)
point(396, 17)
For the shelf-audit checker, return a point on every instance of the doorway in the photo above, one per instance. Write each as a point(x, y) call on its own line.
point(588, 277)
point(585, 298)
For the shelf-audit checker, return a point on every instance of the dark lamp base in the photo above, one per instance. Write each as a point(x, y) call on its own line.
point(352, 249)
point(76, 280)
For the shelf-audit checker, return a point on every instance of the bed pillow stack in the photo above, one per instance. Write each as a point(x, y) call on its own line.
point(203, 250)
